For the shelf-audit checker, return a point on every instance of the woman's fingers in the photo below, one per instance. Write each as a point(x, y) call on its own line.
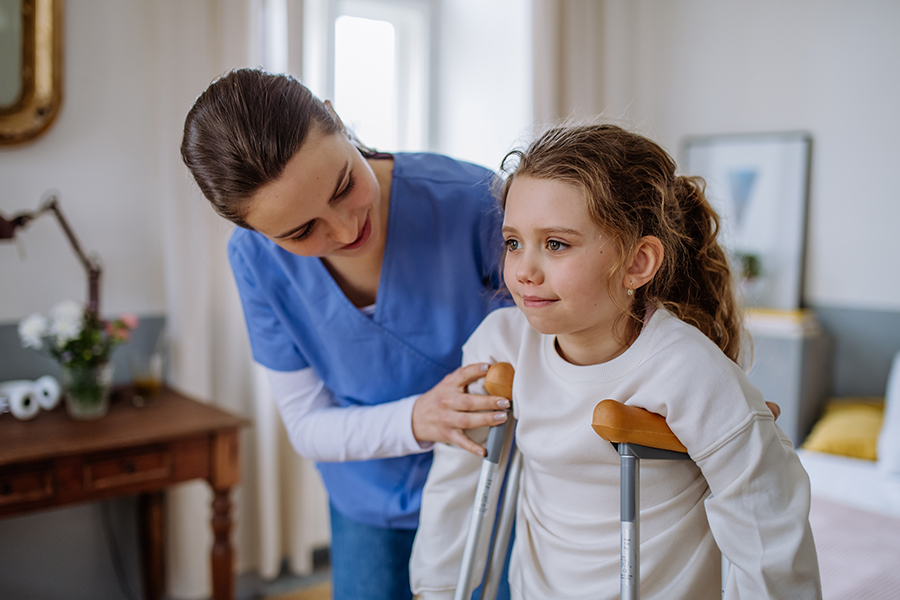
point(467, 374)
point(443, 413)
point(472, 420)
point(478, 402)
point(463, 441)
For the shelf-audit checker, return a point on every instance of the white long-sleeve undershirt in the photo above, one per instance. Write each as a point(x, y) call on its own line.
point(323, 431)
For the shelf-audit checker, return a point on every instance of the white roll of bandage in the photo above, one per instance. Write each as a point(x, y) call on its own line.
point(48, 391)
point(21, 397)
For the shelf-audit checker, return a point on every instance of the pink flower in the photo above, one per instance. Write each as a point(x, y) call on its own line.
point(130, 320)
point(117, 331)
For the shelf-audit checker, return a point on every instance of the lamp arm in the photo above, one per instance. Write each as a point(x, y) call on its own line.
point(91, 266)
point(8, 229)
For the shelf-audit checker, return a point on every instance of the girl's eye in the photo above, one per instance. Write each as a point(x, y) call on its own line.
point(556, 245)
point(512, 244)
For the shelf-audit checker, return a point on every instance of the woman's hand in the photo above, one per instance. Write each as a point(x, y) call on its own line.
point(446, 410)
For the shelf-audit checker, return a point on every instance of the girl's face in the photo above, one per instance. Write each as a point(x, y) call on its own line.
point(326, 202)
point(557, 266)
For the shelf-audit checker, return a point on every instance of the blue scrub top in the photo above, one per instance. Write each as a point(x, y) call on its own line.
point(438, 281)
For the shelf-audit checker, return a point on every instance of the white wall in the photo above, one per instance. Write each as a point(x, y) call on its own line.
point(828, 67)
point(132, 71)
point(101, 157)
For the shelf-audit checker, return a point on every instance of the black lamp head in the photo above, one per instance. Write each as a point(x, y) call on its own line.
point(8, 227)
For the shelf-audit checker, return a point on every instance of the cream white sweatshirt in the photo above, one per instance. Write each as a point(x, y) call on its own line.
point(744, 493)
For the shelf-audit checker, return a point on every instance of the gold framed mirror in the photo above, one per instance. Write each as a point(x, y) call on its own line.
point(30, 67)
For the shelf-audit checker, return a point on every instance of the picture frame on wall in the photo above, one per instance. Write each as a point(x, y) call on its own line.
point(759, 186)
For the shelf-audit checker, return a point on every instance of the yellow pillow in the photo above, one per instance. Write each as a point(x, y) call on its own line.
point(849, 427)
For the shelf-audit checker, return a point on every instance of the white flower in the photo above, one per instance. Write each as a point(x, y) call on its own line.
point(31, 331)
point(67, 317)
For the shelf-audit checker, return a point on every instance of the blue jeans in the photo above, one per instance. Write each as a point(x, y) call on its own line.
point(369, 563)
point(372, 563)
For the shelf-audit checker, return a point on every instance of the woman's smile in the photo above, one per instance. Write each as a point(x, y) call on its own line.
point(364, 234)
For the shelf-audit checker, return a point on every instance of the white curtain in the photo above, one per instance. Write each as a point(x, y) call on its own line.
point(570, 57)
point(279, 509)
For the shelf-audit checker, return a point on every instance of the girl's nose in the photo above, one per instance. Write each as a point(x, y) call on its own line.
point(528, 271)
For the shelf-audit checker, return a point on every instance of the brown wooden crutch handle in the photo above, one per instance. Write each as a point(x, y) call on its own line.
point(499, 380)
point(622, 424)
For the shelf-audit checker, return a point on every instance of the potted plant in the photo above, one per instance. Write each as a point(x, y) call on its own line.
point(82, 344)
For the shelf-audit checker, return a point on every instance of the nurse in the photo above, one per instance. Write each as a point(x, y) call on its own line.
point(361, 274)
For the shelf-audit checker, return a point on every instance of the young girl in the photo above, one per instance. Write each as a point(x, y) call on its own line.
point(623, 292)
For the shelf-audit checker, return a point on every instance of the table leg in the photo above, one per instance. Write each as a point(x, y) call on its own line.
point(151, 517)
point(222, 551)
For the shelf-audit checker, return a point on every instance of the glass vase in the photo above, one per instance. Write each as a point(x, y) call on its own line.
point(87, 390)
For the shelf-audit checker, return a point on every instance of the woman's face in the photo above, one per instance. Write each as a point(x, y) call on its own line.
point(326, 202)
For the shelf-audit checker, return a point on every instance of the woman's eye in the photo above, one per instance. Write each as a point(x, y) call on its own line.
point(512, 244)
point(305, 232)
point(351, 181)
point(556, 245)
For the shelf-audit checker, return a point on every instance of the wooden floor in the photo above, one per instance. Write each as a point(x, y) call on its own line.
point(320, 591)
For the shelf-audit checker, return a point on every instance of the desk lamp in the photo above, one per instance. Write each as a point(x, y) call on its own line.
point(8, 228)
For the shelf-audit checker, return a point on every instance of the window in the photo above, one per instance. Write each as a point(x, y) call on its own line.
point(370, 57)
point(365, 78)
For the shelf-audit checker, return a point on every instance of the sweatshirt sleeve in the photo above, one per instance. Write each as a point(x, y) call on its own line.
point(323, 431)
point(449, 495)
point(759, 513)
point(758, 506)
point(447, 503)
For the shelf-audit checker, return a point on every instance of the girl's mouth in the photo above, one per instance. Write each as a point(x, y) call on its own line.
point(364, 236)
point(536, 302)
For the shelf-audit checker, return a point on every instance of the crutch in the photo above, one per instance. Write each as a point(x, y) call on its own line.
point(494, 478)
point(637, 434)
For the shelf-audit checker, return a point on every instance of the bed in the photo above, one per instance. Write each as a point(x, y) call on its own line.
point(852, 456)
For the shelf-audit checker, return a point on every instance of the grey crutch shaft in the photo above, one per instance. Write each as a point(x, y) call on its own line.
point(498, 381)
point(484, 509)
point(497, 558)
point(630, 575)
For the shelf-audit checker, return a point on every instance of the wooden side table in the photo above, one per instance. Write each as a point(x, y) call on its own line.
point(54, 461)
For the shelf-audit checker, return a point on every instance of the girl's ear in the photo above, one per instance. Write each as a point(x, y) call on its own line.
point(646, 258)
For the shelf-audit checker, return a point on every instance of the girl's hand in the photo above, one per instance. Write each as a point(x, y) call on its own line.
point(446, 410)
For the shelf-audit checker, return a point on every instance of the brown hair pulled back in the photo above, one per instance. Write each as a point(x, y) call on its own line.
point(243, 130)
point(632, 191)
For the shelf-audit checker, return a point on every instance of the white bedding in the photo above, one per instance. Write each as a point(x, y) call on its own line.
point(852, 481)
